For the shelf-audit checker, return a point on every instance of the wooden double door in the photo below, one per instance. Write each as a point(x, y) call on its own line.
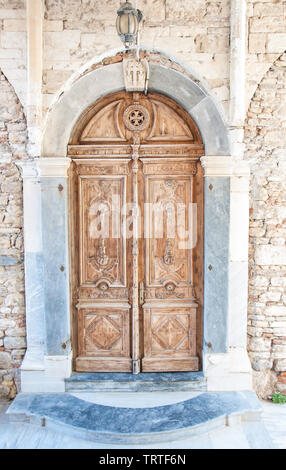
point(136, 232)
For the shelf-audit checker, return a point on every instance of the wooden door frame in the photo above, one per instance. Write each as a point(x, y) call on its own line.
point(77, 151)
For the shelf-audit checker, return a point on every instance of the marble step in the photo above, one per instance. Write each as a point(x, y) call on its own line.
point(145, 382)
point(186, 420)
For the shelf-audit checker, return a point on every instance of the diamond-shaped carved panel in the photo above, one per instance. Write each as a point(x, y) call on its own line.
point(170, 333)
point(103, 332)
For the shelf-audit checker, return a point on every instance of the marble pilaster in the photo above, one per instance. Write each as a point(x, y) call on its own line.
point(53, 174)
point(33, 363)
point(226, 363)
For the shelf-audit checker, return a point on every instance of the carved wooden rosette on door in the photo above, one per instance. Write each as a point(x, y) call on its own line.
point(136, 233)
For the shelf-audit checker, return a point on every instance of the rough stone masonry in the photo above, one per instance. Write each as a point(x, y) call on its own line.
point(12, 309)
point(265, 138)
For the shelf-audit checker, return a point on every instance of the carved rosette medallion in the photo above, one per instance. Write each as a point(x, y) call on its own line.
point(136, 117)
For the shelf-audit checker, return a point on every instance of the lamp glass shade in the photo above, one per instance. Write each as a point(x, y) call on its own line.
point(127, 23)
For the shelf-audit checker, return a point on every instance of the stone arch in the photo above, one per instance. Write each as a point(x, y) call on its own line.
point(251, 87)
point(265, 139)
point(169, 79)
point(98, 81)
point(13, 137)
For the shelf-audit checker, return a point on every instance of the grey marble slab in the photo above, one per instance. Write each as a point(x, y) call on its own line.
point(144, 382)
point(56, 266)
point(145, 376)
point(107, 422)
point(216, 260)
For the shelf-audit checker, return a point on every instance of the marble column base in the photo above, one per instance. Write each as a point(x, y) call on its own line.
point(228, 372)
point(45, 376)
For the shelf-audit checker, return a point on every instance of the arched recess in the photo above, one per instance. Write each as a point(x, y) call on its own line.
point(54, 211)
point(142, 150)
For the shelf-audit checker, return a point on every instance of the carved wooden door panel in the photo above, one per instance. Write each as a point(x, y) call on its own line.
point(169, 305)
point(136, 237)
point(103, 308)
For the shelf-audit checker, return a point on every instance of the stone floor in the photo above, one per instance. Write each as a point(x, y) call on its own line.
point(27, 436)
point(274, 417)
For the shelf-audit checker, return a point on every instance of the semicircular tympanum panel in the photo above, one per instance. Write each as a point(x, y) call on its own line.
point(156, 118)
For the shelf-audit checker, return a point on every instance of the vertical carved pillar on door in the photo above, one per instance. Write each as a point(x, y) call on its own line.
point(135, 254)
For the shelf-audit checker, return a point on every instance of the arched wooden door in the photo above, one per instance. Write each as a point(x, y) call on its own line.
point(136, 236)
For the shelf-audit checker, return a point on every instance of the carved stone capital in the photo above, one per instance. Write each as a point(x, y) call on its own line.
point(53, 167)
point(225, 166)
point(28, 168)
point(217, 165)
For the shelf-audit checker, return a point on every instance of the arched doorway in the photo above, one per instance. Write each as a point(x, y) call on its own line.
point(136, 197)
point(224, 362)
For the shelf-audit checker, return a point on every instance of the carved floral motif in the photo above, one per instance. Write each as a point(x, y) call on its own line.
point(136, 117)
point(108, 293)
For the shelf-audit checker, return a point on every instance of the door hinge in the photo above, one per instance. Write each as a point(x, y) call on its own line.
point(141, 293)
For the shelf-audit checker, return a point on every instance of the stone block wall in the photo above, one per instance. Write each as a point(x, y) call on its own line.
point(12, 301)
point(265, 137)
point(13, 45)
point(196, 32)
point(266, 39)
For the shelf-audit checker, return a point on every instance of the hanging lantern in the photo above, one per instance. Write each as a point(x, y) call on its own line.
point(127, 23)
